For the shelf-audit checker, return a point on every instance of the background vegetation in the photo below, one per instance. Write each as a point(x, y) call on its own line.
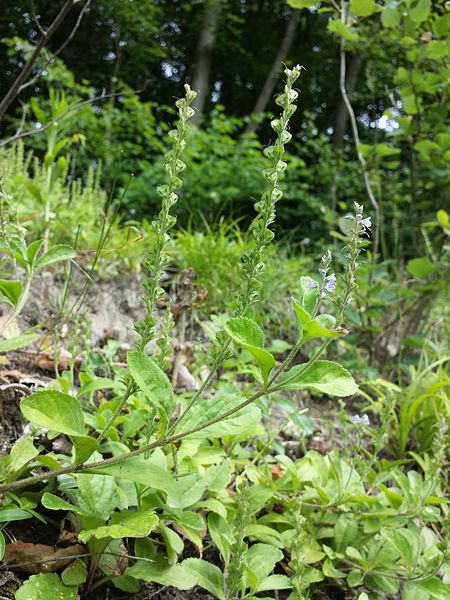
point(85, 145)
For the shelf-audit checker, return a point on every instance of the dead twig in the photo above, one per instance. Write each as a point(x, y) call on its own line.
point(16, 386)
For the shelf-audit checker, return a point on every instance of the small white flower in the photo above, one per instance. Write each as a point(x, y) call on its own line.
point(361, 420)
point(366, 223)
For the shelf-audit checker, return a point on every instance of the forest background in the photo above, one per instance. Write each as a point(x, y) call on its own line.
point(85, 142)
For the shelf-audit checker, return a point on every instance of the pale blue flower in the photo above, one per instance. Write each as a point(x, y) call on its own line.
point(330, 285)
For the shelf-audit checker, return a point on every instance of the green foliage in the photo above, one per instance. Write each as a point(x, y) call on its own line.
point(152, 468)
point(46, 585)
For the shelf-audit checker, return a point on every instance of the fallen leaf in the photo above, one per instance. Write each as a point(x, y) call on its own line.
point(40, 558)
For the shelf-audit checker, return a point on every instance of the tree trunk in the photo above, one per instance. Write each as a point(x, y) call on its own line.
point(206, 44)
point(342, 116)
point(25, 73)
point(272, 78)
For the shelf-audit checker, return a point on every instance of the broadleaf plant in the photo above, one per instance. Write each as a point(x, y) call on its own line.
point(151, 470)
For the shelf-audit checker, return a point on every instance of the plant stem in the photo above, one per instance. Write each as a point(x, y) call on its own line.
point(157, 444)
point(131, 388)
point(205, 384)
point(116, 459)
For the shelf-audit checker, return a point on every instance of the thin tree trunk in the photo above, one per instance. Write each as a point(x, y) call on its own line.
point(205, 47)
point(15, 89)
point(113, 93)
point(354, 124)
point(272, 78)
point(342, 117)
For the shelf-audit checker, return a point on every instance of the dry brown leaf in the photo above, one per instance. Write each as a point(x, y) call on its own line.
point(40, 558)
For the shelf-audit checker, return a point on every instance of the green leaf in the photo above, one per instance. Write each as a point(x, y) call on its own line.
point(21, 454)
point(322, 376)
point(265, 534)
point(10, 512)
point(402, 544)
point(53, 502)
point(55, 254)
point(17, 342)
point(354, 578)
point(208, 576)
point(275, 582)
point(174, 543)
point(246, 333)
point(139, 470)
point(124, 524)
point(426, 148)
point(84, 447)
point(99, 383)
point(336, 26)
point(437, 49)
point(2, 545)
point(126, 584)
point(421, 11)
point(321, 326)
point(160, 571)
point(45, 586)
point(420, 268)
point(75, 574)
point(303, 3)
point(186, 491)
point(412, 104)
point(54, 410)
point(443, 219)
point(10, 291)
point(221, 534)
point(434, 587)
point(303, 317)
point(97, 495)
point(242, 423)
point(32, 250)
point(261, 560)
point(152, 381)
point(363, 8)
point(386, 150)
point(310, 294)
point(34, 189)
point(218, 477)
point(383, 584)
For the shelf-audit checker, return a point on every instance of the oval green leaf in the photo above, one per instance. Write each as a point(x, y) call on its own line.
point(54, 410)
point(323, 376)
